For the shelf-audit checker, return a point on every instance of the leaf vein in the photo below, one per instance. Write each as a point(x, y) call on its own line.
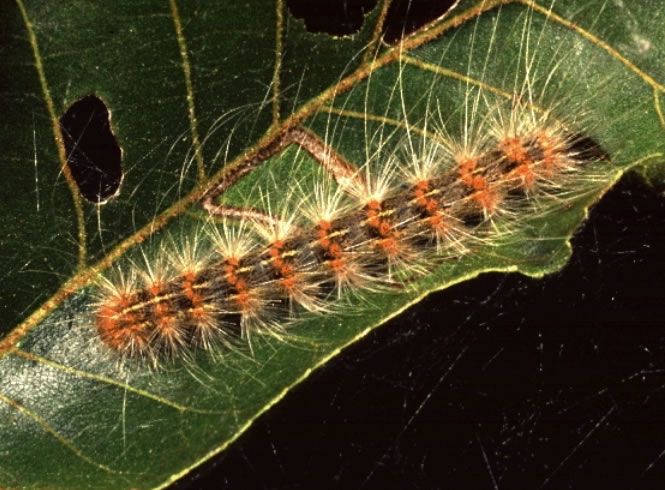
point(110, 381)
point(57, 135)
point(596, 40)
point(373, 47)
point(382, 119)
point(23, 410)
point(189, 87)
point(279, 49)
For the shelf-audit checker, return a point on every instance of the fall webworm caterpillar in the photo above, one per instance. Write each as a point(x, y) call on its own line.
point(425, 192)
point(377, 144)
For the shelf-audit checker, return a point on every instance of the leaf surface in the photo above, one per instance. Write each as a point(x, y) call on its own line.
point(195, 88)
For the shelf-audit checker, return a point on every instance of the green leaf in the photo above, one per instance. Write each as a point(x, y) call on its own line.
point(196, 92)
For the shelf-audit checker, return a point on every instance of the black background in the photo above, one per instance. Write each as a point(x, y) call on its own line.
point(501, 382)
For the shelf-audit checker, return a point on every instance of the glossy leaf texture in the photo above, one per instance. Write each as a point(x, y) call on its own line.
point(196, 89)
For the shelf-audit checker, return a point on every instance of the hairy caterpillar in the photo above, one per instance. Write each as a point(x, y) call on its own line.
point(416, 211)
point(151, 314)
point(467, 177)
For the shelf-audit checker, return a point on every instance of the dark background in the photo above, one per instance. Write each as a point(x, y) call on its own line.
point(501, 382)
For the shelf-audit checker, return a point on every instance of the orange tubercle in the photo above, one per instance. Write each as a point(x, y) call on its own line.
point(515, 150)
point(526, 175)
point(486, 199)
point(467, 166)
point(288, 283)
point(390, 246)
point(119, 328)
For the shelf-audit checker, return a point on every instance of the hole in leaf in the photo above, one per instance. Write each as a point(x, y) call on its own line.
point(93, 153)
point(406, 16)
point(336, 17)
point(344, 17)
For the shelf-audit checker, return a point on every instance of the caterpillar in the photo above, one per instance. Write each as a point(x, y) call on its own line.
point(257, 274)
point(477, 148)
